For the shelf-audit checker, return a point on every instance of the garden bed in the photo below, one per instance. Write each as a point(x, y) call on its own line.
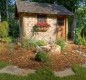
point(26, 58)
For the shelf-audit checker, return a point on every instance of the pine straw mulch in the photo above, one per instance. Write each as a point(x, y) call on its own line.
point(25, 58)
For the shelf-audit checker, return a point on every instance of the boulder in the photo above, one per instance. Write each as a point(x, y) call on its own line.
point(54, 49)
point(43, 48)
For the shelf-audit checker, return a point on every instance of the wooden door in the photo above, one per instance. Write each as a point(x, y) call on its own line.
point(61, 27)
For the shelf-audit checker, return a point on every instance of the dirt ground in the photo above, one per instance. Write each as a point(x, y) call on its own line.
point(26, 58)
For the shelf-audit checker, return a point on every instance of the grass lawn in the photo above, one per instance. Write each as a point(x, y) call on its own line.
point(46, 74)
point(4, 64)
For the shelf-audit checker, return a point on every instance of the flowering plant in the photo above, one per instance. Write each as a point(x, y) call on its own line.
point(41, 26)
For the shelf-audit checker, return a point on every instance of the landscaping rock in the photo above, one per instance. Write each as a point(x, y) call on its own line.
point(64, 73)
point(43, 48)
point(53, 49)
point(65, 53)
point(80, 52)
point(14, 70)
point(84, 65)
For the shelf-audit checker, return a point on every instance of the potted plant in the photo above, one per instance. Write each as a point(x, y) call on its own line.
point(41, 27)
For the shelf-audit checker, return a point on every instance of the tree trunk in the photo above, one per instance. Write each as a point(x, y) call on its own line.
point(7, 13)
point(73, 27)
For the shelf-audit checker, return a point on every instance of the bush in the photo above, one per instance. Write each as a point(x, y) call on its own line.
point(61, 43)
point(4, 29)
point(41, 43)
point(7, 39)
point(79, 38)
point(29, 44)
point(82, 41)
point(41, 56)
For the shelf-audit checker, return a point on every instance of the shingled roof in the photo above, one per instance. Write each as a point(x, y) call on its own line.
point(42, 8)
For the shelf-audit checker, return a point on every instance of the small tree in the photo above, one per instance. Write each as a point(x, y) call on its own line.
point(80, 31)
point(4, 29)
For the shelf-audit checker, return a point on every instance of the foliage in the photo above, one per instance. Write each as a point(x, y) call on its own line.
point(41, 56)
point(2, 9)
point(13, 28)
point(81, 40)
point(80, 31)
point(61, 43)
point(32, 44)
point(81, 17)
point(29, 44)
point(7, 40)
point(4, 29)
point(5, 7)
point(4, 32)
point(35, 29)
point(41, 43)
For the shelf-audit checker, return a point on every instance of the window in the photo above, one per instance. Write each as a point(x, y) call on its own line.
point(60, 21)
point(41, 18)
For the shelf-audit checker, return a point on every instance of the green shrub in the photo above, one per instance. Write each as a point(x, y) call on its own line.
point(61, 43)
point(41, 56)
point(79, 38)
point(29, 44)
point(4, 29)
point(7, 39)
point(82, 41)
point(41, 43)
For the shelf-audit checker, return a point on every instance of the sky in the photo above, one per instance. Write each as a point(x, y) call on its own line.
point(13, 1)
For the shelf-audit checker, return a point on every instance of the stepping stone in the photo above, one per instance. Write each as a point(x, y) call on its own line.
point(84, 65)
point(64, 73)
point(14, 70)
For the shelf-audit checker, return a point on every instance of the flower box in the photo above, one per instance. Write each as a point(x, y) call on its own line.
point(41, 27)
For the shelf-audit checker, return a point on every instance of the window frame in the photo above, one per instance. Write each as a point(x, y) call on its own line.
point(60, 21)
point(41, 18)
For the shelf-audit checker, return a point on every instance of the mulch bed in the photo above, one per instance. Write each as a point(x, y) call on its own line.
point(25, 58)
